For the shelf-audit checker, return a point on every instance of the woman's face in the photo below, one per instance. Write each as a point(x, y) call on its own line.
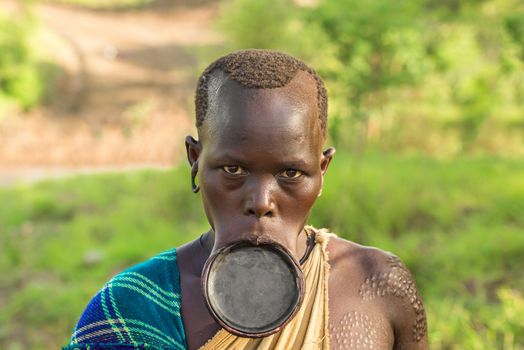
point(260, 162)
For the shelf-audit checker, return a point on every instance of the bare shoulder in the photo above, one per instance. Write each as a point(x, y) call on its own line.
point(350, 254)
point(358, 264)
point(377, 285)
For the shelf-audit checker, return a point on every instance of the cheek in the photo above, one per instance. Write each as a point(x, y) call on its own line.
point(209, 193)
point(303, 197)
point(215, 193)
point(314, 191)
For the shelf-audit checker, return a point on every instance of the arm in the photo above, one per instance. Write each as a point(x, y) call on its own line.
point(408, 316)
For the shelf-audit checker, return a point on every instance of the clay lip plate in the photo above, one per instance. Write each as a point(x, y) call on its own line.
point(252, 290)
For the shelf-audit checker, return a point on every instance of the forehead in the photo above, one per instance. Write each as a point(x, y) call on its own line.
point(287, 115)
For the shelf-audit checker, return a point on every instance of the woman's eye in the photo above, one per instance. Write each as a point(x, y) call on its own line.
point(233, 169)
point(291, 173)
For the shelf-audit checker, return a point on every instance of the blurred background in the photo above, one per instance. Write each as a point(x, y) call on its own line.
point(426, 111)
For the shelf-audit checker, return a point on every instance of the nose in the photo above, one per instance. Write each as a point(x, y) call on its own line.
point(259, 201)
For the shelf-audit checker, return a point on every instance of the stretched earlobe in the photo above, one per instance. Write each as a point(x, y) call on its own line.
point(193, 152)
point(194, 170)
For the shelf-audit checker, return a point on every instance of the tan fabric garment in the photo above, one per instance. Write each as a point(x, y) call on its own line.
point(309, 328)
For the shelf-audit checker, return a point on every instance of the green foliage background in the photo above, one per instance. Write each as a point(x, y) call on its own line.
point(21, 80)
point(442, 77)
point(28, 74)
point(426, 109)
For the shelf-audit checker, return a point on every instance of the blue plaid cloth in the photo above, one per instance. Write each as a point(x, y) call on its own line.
point(137, 309)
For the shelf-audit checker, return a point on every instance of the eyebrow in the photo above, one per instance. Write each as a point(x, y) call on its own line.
point(295, 163)
point(225, 157)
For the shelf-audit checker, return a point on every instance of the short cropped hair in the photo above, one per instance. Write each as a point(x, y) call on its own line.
point(258, 69)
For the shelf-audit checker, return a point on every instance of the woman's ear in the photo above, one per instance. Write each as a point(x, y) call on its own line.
point(327, 156)
point(193, 148)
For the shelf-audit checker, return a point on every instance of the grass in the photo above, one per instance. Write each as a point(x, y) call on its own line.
point(457, 223)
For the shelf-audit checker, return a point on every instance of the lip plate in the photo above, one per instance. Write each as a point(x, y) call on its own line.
point(278, 324)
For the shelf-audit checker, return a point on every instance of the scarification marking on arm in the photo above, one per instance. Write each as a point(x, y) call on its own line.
point(397, 281)
point(357, 330)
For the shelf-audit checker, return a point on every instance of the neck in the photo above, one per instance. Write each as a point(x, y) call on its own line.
point(207, 241)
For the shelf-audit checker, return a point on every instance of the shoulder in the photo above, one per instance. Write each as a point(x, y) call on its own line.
point(138, 307)
point(379, 281)
point(349, 258)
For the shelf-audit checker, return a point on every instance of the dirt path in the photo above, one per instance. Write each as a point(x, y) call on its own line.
point(125, 99)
